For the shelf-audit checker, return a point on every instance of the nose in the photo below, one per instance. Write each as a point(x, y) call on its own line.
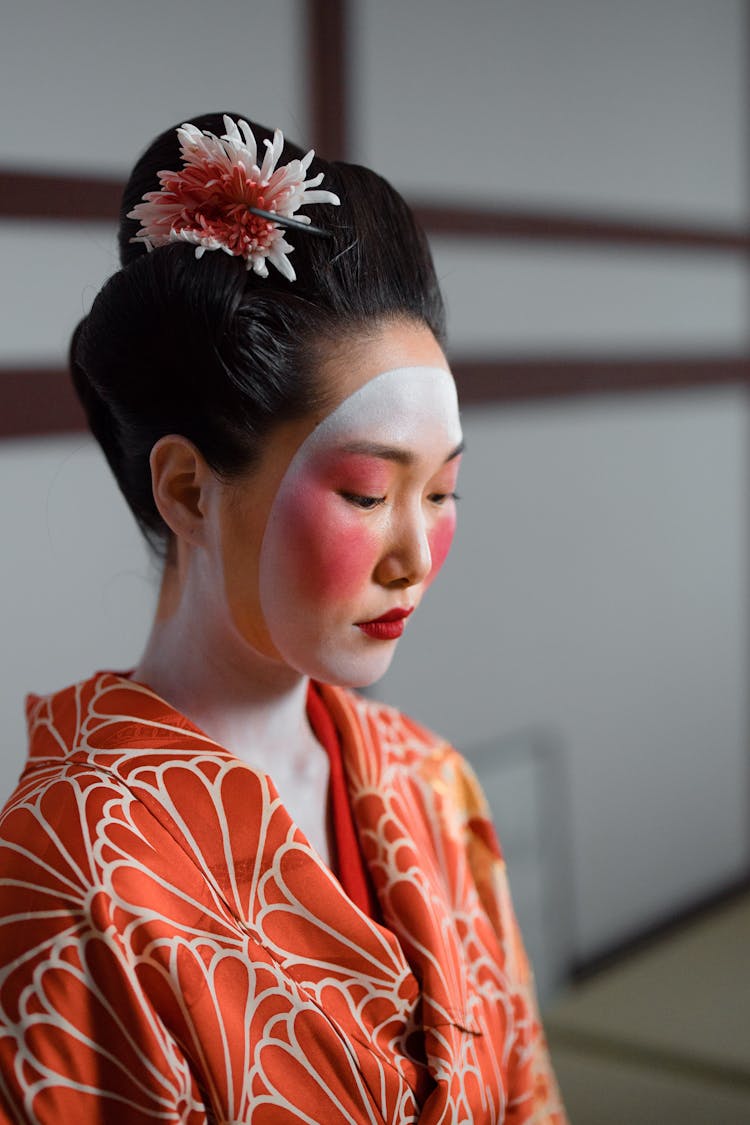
point(407, 560)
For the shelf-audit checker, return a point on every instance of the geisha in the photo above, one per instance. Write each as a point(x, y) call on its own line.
point(231, 888)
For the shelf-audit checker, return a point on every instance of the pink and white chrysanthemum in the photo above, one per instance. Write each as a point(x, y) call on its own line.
point(207, 202)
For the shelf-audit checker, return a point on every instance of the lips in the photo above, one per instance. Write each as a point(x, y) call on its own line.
point(388, 627)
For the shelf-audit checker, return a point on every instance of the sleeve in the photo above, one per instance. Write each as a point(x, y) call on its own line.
point(532, 1080)
point(81, 1038)
point(80, 1041)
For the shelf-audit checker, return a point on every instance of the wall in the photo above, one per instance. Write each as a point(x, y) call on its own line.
point(76, 586)
point(598, 585)
point(597, 589)
point(604, 106)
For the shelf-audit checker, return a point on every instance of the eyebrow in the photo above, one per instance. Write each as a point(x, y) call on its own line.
point(393, 452)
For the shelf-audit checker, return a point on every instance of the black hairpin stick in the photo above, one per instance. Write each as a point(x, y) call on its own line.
point(293, 224)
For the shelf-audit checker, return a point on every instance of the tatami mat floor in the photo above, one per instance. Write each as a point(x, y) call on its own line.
point(664, 1036)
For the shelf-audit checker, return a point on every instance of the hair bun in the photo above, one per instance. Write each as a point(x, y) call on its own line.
point(222, 355)
point(93, 404)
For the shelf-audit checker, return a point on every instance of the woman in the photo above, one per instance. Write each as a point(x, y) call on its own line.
point(233, 890)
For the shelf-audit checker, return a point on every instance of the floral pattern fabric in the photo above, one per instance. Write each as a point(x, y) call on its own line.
point(173, 950)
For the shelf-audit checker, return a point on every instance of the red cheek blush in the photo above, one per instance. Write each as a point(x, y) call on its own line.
point(440, 539)
point(347, 563)
point(331, 553)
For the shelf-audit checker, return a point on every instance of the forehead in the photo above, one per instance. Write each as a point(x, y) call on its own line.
point(352, 361)
point(405, 407)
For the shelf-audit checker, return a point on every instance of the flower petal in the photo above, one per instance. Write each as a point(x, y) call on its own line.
point(273, 152)
point(321, 197)
point(207, 203)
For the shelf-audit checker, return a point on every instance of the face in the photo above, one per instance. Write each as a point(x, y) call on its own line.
point(358, 518)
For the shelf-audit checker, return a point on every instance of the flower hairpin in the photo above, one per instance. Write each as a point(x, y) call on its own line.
point(223, 200)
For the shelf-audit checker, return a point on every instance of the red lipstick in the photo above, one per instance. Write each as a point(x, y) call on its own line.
point(389, 627)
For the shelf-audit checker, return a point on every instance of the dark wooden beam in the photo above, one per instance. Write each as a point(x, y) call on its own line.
point(38, 401)
point(328, 77)
point(518, 223)
point(505, 379)
point(38, 195)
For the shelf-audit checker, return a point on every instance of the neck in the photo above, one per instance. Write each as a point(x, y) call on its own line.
point(251, 705)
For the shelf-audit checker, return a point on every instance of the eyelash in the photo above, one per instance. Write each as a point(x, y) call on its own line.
point(368, 503)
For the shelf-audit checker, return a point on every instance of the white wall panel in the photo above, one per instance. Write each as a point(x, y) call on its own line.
point(88, 83)
point(537, 299)
point(598, 586)
point(76, 588)
point(597, 589)
point(626, 106)
point(52, 273)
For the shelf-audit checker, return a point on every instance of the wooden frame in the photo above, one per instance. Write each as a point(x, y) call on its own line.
point(39, 401)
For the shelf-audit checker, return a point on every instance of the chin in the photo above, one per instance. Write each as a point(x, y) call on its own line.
point(352, 670)
point(361, 681)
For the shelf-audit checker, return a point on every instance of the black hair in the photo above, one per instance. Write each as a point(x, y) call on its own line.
point(210, 350)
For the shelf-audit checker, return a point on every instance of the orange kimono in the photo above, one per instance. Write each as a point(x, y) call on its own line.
point(173, 950)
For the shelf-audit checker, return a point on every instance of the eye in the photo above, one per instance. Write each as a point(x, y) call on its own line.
point(440, 497)
point(365, 502)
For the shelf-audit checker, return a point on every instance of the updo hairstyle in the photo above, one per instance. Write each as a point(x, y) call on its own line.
point(208, 349)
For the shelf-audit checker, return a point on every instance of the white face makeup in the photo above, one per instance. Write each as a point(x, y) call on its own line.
point(360, 525)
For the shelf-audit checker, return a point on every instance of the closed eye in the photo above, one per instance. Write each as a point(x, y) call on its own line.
point(365, 502)
point(441, 497)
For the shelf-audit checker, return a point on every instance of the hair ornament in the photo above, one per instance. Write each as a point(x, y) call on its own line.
point(223, 200)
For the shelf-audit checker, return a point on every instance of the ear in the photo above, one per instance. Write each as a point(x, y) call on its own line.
point(182, 483)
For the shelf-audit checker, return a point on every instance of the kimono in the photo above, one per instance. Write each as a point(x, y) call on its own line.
point(172, 949)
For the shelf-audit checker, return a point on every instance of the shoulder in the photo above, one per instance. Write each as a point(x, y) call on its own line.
point(66, 783)
point(52, 804)
point(79, 800)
